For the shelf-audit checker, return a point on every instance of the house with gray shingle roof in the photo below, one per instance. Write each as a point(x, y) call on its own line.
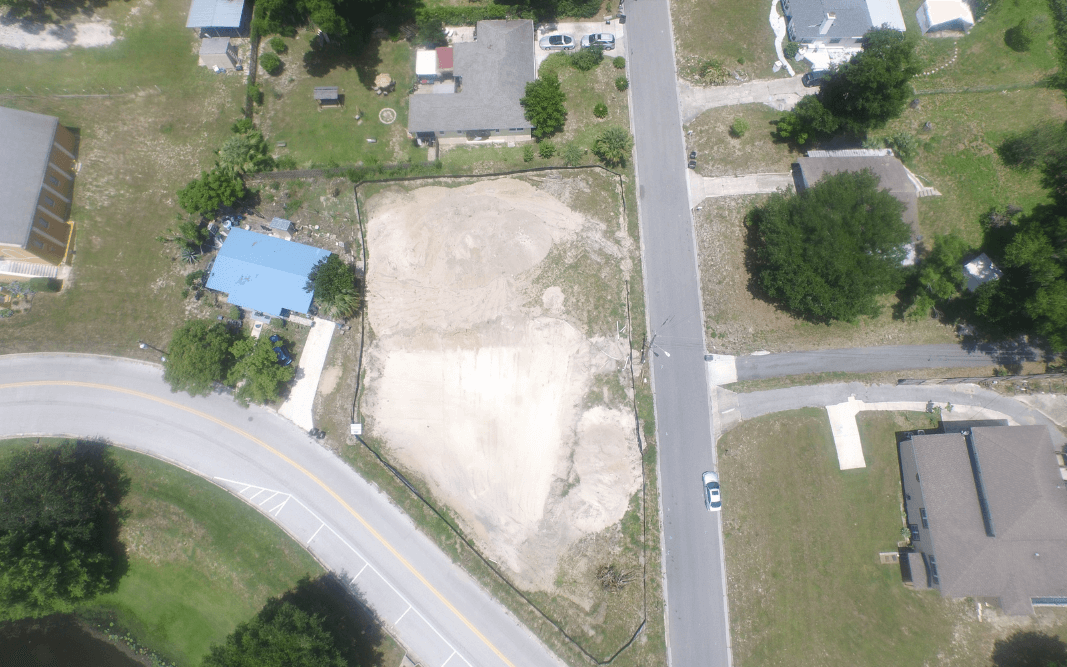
point(839, 23)
point(986, 506)
point(481, 101)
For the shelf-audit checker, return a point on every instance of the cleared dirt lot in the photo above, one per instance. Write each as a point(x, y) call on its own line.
point(497, 371)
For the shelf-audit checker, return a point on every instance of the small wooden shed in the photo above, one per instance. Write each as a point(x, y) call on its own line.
point(329, 97)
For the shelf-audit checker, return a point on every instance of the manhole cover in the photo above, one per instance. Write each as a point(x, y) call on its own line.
point(387, 116)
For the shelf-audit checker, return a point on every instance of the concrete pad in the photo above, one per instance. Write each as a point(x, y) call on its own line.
point(846, 433)
point(781, 94)
point(722, 369)
point(702, 187)
point(298, 408)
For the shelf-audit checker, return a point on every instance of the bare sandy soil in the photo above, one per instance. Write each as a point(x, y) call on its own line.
point(478, 379)
point(30, 36)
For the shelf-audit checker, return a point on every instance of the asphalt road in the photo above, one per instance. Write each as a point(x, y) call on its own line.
point(877, 359)
point(441, 615)
point(697, 623)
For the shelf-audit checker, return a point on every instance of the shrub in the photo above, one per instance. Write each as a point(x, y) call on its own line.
point(544, 106)
point(527, 153)
point(587, 59)
point(572, 154)
point(622, 83)
point(270, 63)
point(242, 126)
point(431, 34)
point(43, 285)
point(546, 149)
point(790, 49)
point(712, 72)
point(600, 110)
point(255, 93)
point(278, 45)
point(739, 127)
point(1019, 38)
point(285, 163)
point(618, 62)
point(613, 146)
point(235, 313)
point(904, 145)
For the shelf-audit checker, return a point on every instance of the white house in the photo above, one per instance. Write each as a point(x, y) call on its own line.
point(831, 31)
point(937, 16)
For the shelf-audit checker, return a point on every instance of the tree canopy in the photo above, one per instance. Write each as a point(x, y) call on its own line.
point(59, 514)
point(874, 86)
point(247, 153)
point(335, 287)
point(199, 355)
point(280, 635)
point(863, 94)
point(213, 189)
point(830, 251)
point(256, 371)
point(544, 105)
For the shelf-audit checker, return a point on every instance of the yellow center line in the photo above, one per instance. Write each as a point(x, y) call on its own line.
point(283, 457)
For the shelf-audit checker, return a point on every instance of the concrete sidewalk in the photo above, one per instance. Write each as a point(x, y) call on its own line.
point(781, 94)
point(702, 187)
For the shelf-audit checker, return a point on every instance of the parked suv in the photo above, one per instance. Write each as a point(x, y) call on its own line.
point(814, 78)
point(604, 40)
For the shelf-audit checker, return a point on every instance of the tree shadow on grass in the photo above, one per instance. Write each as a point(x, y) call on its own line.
point(344, 613)
point(1029, 649)
point(362, 55)
point(49, 11)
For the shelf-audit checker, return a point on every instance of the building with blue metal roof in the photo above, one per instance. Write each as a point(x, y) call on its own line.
point(263, 273)
point(205, 14)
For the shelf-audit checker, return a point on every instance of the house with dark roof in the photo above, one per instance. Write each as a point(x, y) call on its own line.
point(891, 172)
point(986, 505)
point(480, 100)
point(37, 165)
point(263, 273)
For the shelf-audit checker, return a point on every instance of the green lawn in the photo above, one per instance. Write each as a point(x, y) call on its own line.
point(719, 153)
point(335, 136)
point(200, 560)
point(802, 539)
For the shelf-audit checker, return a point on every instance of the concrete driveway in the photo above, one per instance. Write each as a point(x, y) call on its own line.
point(577, 31)
point(298, 407)
point(702, 187)
point(781, 94)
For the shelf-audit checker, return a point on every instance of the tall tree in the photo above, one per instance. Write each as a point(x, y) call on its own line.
point(874, 86)
point(213, 189)
point(280, 635)
point(257, 372)
point(829, 252)
point(199, 355)
point(544, 105)
point(335, 287)
point(59, 513)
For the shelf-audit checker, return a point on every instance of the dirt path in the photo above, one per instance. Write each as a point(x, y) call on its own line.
point(31, 36)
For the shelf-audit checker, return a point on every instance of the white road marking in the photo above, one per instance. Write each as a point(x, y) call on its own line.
point(397, 621)
point(314, 534)
point(360, 572)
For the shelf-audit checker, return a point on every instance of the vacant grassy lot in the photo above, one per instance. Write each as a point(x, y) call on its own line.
point(802, 540)
point(200, 561)
point(738, 322)
point(721, 154)
point(959, 159)
point(735, 32)
point(335, 136)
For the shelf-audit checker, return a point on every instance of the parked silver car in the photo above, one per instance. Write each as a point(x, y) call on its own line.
point(557, 43)
point(604, 40)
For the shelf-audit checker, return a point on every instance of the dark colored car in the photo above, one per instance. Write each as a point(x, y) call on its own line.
point(814, 78)
point(284, 358)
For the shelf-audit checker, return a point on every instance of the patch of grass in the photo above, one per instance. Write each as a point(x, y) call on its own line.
point(721, 154)
point(890, 377)
point(958, 154)
point(738, 321)
point(331, 136)
point(802, 539)
point(984, 59)
point(200, 560)
point(738, 34)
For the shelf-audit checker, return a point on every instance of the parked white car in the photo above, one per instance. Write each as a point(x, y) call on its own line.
point(711, 492)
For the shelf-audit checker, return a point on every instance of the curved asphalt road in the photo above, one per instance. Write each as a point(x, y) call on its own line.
point(441, 615)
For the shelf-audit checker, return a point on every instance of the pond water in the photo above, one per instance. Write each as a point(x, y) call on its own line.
point(56, 641)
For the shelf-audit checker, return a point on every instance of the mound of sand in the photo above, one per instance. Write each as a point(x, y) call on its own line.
point(477, 379)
